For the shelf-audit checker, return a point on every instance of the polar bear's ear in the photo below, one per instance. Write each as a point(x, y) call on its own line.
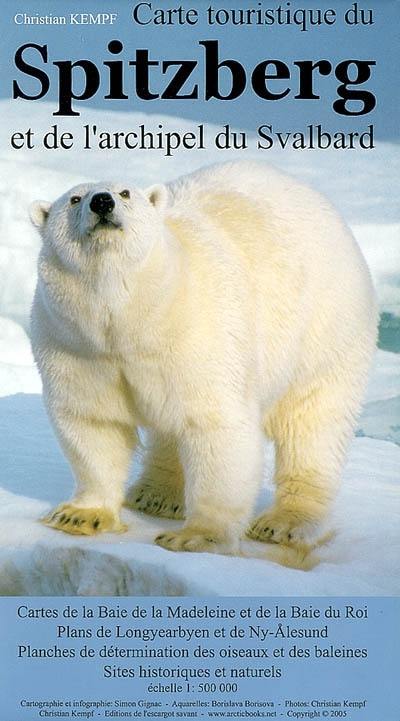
point(39, 212)
point(158, 196)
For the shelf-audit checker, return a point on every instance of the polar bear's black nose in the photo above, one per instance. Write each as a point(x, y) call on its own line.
point(102, 204)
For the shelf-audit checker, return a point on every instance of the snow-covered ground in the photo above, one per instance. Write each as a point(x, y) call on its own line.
point(363, 556)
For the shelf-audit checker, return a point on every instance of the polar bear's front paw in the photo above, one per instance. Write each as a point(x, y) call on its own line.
point(282, 526)
point(156, 499)
point(195, 540)
point(83, 521)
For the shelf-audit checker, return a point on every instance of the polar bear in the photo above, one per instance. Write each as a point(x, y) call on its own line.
point(229, 305)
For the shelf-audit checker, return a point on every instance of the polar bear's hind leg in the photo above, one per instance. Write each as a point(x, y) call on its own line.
point(311, 431)
point(160, 488)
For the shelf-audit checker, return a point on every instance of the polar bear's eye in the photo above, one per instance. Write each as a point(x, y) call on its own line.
point(75, 199)
point(125, 194)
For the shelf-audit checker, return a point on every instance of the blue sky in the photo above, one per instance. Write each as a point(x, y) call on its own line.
point(248, 45)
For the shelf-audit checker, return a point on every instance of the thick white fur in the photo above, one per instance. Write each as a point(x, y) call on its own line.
point(231, 304)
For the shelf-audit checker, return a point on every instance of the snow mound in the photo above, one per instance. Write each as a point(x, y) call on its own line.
point(17, 371)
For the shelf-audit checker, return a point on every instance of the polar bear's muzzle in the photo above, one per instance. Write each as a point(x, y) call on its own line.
point(103, 205)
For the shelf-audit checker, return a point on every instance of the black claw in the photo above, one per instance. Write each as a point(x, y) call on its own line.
point(272, 532)
point(61, 519)
point(67, 520)
point(76, 522)
point(266, 529)
point(175, 509)
point(96, 523)
point(210, 540)
point(289, 535)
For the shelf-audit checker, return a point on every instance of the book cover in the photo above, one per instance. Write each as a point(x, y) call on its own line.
point(199, 364)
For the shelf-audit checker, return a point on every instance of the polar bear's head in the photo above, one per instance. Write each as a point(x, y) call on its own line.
point(97, 217)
